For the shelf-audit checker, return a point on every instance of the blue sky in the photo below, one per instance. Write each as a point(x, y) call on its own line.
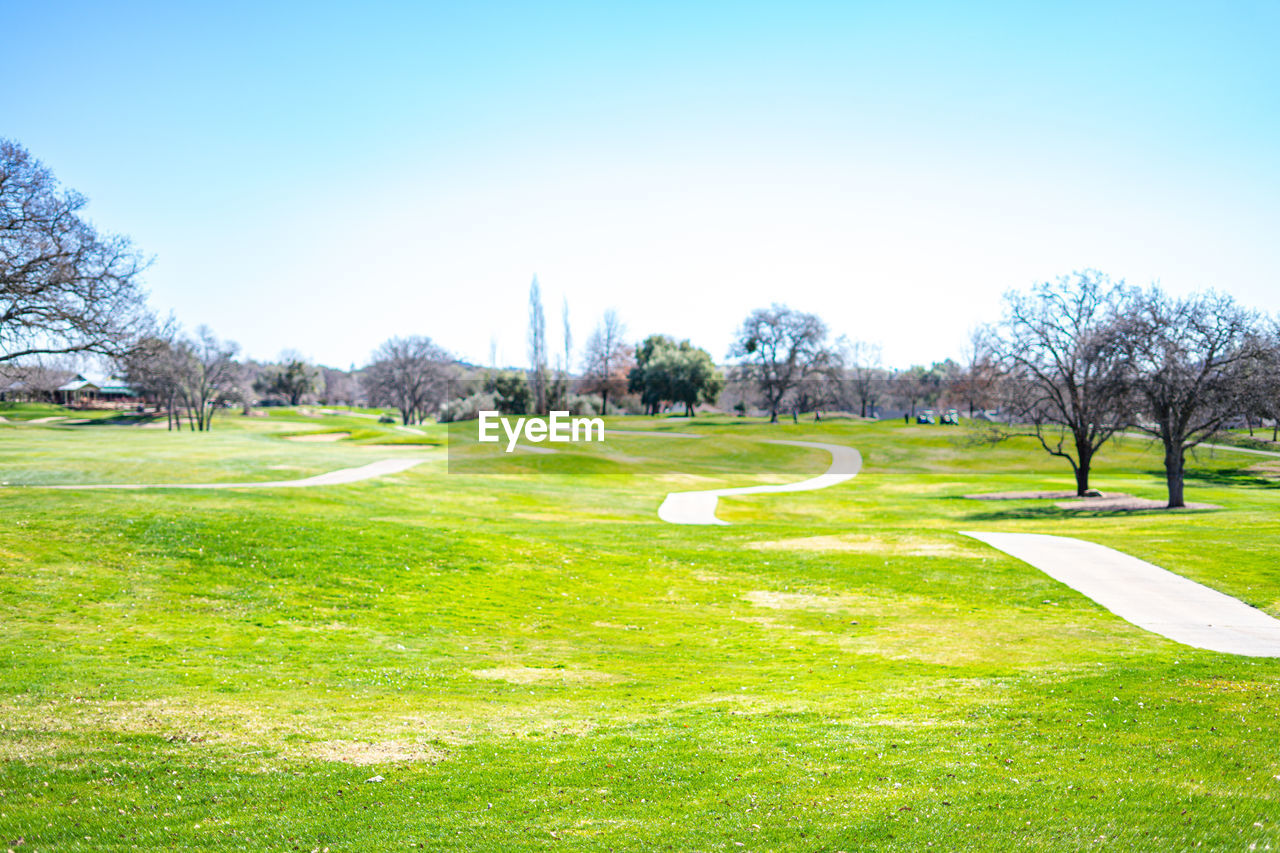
point(322, 176)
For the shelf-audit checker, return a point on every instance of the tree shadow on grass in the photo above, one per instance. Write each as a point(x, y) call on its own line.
point(1053, 512)
point(1234, 477)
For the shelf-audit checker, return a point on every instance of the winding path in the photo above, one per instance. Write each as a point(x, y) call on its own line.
point(1139, 592)
point(1144, 594)
point(700, 507)
point(332, 478)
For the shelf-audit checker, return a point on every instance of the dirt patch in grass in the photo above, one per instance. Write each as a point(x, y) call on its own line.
point(362, 753)
point(539, 675)
point(775, 600)
point(914, 546)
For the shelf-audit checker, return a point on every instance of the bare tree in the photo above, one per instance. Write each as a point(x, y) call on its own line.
point(864, 362)
point(537, 348)
point(339, 386)
point(209, 377)
point(1190, 360)
point(1262, 386)
point(243, 391)
point(156, 366)
point(64, 288)
point(779, 348)
point(607, 360)
point(1063, 367)
point(977, 381)
point(410, 374)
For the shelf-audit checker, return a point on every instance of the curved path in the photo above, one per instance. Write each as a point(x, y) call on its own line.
point(700, 507)
point(1139, 592)
point(1146, 595)
point(332, 478)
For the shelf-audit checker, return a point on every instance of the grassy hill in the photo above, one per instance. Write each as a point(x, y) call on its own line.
point(529, 658)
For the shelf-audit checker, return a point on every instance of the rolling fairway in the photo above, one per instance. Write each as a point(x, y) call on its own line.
point(530, 658)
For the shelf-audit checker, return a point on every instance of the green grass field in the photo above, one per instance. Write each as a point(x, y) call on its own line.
point(531, 659)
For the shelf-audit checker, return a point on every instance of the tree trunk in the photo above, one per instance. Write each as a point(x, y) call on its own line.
point(1174, 463)
point(604, 402)
point(1082, 480)
point(773, 416)
point(864, 407)
point(1084, 456)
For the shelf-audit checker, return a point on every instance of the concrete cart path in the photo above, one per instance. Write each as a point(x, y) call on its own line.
point(333, 478)
point(1255, 452)
point(700, 507)
point(1146, 595)
point(1141, 436)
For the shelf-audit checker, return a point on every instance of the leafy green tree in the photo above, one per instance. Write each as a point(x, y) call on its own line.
point(292, 380)
point(667, 371)
point(512, 392)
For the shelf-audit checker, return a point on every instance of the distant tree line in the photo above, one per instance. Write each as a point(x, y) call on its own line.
point(1072, 363)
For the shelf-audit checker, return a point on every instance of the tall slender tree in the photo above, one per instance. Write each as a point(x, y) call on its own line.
point(537, 348)
point(568, 337)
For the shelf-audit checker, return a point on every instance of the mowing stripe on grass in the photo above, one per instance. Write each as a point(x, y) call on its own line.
point(1146, 595)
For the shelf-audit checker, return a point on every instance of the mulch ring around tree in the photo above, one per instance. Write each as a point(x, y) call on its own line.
point(1095, 502)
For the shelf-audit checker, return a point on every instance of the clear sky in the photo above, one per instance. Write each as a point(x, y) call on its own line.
point(322, 176)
